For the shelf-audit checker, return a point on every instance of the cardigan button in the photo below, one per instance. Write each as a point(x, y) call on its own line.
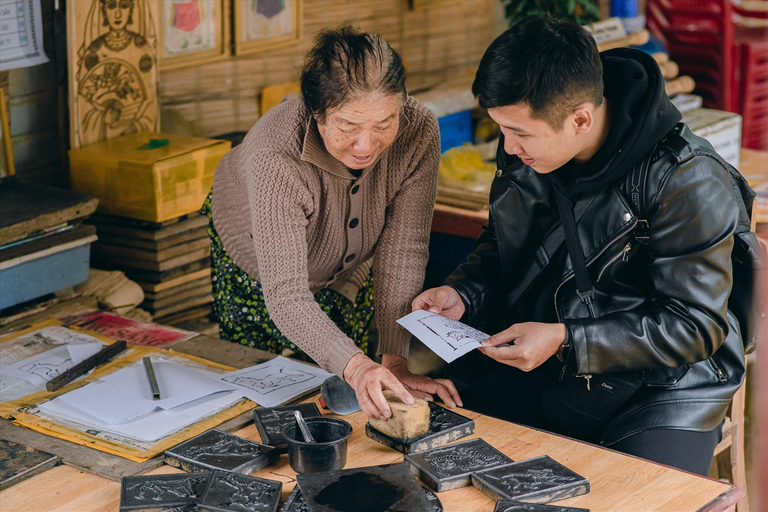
point(353, 223)
point(355, 189)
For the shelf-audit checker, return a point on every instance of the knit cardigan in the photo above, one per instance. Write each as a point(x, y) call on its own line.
point(296, 220)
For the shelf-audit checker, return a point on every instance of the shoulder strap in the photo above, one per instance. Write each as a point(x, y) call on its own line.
point(547, 249)
point(638, 178)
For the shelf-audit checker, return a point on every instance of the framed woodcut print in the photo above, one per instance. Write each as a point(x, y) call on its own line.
point(193, 32)
point(112, 52)
point(266, 24)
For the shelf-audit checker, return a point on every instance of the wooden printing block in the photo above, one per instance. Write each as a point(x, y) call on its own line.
point(162, 492)
point(269, 422)
point(215, 449)
point(519, 506)
point(369, 489)
point(445, 426)
point(450, 467)
point(229, 491)
point(296, 503)
point(537, 480)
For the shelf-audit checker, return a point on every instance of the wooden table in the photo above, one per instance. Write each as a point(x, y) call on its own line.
point(618, 482)
point(451, 220)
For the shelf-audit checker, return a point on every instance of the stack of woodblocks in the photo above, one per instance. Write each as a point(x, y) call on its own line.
point(170, 260)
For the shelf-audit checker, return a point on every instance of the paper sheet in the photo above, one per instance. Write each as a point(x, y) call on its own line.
point(277, 381)
point(126, 394)
point(21, 34)
point(41, 368)
point(449, 339)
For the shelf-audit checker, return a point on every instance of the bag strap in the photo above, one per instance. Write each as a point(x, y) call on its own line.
point(547, 249)
point(638, 179)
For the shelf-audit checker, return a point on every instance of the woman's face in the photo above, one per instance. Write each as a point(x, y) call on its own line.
point(356, 132)
point(117, 13)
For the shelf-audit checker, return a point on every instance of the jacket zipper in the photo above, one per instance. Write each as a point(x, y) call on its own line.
point(718, 371)
point(624, 253)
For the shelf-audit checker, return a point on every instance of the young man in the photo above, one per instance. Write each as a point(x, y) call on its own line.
point(618, 328)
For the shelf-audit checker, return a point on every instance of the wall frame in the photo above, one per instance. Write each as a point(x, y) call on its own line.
point(193, 32)
point(266, 24)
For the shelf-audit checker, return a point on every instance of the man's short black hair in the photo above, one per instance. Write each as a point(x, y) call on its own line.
point(550, 64)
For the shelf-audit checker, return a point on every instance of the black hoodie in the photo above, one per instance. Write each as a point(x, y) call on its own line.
point(641, 115)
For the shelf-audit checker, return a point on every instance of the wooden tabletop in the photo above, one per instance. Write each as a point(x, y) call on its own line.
point(451, 220)
point(618, 482)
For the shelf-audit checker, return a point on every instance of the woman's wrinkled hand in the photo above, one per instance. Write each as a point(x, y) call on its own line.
point(369, 379)
point(422, 386)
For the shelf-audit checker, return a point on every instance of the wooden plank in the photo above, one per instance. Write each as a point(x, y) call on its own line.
point(103, 250)
point(187, 315)
point(171, 283)
point(176, 307)
point(46, 241)
point(127, 262)
point(158, 277)
point(195, 234)
point(145, 230)
point(155, 304)
point(183, 288)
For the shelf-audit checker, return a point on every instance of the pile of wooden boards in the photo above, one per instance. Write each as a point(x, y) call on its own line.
point(44, 248)
point(169, 260)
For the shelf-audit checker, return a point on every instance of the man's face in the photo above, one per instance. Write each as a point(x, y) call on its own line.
point(537, 144)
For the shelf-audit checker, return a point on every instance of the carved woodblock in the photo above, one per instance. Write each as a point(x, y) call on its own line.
point(113, 77)
point(445, 426)
point(449, 467)
point(269, 421)
point(152, 492)
point(235, 492)
point(537, 480)
point(295, 502)
point(370, 489)
point(519, 506)
point(214, 449)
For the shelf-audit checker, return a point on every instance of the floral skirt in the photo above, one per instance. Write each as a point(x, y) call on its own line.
point(239, 305)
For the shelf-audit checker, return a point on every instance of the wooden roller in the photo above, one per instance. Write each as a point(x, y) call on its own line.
point(633, 39)
point(680, 85)
point(669, 69)
point(660, 57)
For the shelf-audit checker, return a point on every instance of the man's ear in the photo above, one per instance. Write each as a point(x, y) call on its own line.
point(582, 118)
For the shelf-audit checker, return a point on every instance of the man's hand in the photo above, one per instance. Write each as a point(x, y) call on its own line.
point(368, 379)
point(531, 343)
point(422, 386)
point(443, 300)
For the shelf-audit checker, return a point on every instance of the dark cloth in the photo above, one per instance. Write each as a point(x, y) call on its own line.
point(659, 309)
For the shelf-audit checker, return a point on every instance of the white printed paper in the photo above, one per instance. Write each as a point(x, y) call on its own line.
point(21, 34)
point(40, 368)
point(277, 381)
point(126, 393)
point(449, 339)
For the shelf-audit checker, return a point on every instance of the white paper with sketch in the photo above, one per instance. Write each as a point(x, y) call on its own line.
point(126, 394)
point(276, 381)
point(449, 339)
point(40, 368)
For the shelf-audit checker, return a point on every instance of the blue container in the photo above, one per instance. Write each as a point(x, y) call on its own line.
point(455, 130)
point(47, 274)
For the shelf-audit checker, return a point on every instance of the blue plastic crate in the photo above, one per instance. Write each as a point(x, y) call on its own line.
point(455, 130)
point(46, 274)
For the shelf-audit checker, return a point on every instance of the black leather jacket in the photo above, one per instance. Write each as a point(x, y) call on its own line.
point(661, 308)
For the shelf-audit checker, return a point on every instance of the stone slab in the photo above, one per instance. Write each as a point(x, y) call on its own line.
point(233, 492)
point(538, 480)
point(152, 492)
point(450, 467)
point(18, 462)
point(519, 506)
point(369, 489)
point(445, 426)
point(215, 449)
point(269, 421)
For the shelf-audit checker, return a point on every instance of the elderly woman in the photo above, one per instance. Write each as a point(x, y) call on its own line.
point(328, 195)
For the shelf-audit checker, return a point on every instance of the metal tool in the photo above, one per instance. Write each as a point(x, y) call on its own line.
point(304, 428)
point(151, 377)
point(338, 396)
point(104, 355)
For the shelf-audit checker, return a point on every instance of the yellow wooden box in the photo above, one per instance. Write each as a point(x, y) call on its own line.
point(148, 184)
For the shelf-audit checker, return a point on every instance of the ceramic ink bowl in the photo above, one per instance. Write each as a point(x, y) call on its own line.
point(328, 453)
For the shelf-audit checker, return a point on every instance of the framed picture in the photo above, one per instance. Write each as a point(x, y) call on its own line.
point(266, 24)
point(193, 32)
point(112, 53)
point(6, 151)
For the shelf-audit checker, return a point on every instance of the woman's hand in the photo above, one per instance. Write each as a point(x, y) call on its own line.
point(422, 386)
point(443, 300)
point(368, 379)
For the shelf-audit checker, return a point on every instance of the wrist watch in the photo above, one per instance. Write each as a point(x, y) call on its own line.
point(562, 352)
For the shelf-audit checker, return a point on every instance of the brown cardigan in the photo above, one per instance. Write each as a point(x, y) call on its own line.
point(283, 208)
